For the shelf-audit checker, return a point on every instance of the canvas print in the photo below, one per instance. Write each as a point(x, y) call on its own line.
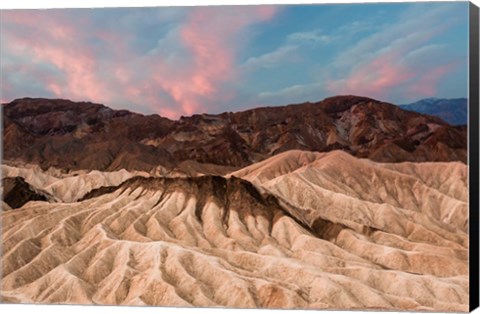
point(261, 156)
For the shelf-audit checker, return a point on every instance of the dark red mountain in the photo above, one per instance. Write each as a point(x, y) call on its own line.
point(83, 135)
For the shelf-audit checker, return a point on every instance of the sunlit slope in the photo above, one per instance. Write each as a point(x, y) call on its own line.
point(309, 230)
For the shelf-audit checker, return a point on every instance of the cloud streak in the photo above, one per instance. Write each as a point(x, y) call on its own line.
point(210, 36)
point(396, 63)
point(183, 74)
point(284, 54)
point(386, 63)
point(181, 61)
point(56, 44)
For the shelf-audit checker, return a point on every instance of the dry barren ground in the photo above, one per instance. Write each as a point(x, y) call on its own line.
point(298, 230)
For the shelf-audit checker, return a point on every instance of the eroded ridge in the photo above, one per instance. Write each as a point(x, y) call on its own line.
point(298, 230)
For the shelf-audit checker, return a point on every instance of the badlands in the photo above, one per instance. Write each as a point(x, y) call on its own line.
point(299, 229)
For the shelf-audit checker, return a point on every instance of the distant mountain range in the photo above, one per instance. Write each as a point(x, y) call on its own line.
point(453, 111)
point(69, 135)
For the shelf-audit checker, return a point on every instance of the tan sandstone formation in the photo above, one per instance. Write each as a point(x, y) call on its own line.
point(298, 230)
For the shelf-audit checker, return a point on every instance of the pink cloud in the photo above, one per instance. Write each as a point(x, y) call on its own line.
point(195, 79)
point(426, 84)
point(375, 78)
point(59, 43)
point(387, 72)
point(79, 68)
point(211, 36)
point(397, 61)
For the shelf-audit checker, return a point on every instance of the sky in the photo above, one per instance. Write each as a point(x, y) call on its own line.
point(177, 61)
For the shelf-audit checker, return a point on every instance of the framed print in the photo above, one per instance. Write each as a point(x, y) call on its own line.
point(302, 156)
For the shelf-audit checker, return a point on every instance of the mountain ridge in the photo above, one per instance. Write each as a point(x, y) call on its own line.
point(280, 234)
point(451, 110)
point(68, 135)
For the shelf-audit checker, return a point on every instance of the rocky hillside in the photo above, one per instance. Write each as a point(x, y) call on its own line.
point(297, 230)
point(454, 111)
point(72, 136)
